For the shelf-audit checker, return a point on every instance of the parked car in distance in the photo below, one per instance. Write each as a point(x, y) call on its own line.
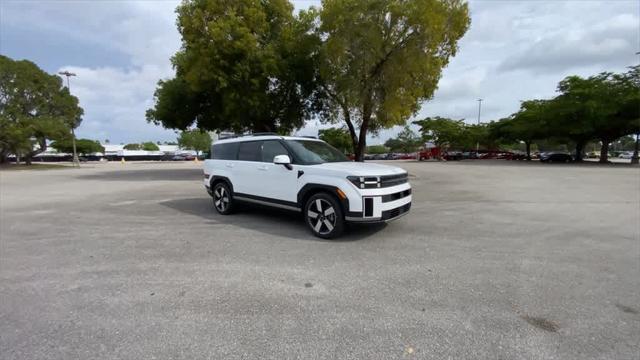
point(407, 156)
point(308, 176)
point(626, 155)
point(393, 156)
point(183, 157)
point(555, 157)
point(452, 155)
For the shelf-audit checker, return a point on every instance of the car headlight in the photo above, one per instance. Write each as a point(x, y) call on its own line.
point(365, 182)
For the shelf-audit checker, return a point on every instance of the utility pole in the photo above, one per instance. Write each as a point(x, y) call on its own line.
point(76, 161)
point(479, 109)
point(635, 159)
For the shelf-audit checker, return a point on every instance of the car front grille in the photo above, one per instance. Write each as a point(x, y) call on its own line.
point(393, 213)
point(393, 180)
point(396, 196)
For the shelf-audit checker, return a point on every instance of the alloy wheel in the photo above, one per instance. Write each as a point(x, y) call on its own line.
point(322, 216)
point(221, 199)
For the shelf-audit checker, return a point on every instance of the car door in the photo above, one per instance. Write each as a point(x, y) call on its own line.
point(276, 181)
point(245, 169)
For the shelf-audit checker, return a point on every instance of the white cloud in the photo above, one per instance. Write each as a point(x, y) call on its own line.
point(114, 98)
point(115, 101)
point(514, 51)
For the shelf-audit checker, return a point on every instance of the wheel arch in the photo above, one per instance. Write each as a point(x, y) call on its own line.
point(221, 179)
point(311, 189)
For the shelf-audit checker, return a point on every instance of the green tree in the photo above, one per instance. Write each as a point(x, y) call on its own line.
point(393, 144)
point(244, 65)
point(34, 108)
point(377, 149)
point(149, 146)
point(530, 123)
point(83, 146)
point(625, 143)
point(133, 146)
point(381, 59)
point(443, 132)
point(407, 141)
point(605, 106)
point(195, 140)
point(337, 137)
point(478, 136)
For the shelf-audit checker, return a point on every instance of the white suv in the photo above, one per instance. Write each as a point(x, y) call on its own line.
point(308, 175)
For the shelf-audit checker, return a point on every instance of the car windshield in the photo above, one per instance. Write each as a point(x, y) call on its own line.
point(308, 152)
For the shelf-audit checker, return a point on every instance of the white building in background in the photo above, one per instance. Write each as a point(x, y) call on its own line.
point(164, 150)
point(215, 136)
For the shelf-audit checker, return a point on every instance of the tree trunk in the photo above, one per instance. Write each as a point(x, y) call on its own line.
point(362, 137)
point(604, 151)
point(579, 150)
point(361, 149)
point(29, 156)
point(352, 129)
point(634, 158)
point(527, 144)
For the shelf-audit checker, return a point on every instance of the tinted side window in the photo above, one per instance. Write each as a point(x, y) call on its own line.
point(250, 151)
point(272, 148)
point(225, 151)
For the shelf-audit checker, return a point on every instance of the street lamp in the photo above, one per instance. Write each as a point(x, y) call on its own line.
point(76, 161)
point(479, 109)
point(635, 159)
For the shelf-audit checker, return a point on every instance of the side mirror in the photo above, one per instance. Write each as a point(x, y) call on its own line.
point(283, 160)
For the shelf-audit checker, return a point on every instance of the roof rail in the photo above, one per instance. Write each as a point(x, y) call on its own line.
point(309, 136)
point(262, 134)
point(227, 136)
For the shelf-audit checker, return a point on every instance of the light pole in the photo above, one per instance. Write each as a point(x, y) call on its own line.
point(76, 161)
point(635, 159)
point(479, 109)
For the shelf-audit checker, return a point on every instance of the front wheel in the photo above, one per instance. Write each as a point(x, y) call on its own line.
point(323, 215)
point(222, 198)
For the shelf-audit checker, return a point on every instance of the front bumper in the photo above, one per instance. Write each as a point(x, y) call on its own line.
point(382, 207)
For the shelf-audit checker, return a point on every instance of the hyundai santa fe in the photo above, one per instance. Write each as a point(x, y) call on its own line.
point(305, 175)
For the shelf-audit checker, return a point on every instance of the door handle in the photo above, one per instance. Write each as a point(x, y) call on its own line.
point(263, 168)
point(229, 165)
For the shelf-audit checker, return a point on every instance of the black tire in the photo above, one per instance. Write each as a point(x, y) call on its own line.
point(324, 216)
point(222, 198)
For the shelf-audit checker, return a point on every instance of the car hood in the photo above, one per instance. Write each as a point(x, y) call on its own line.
point(361, 169)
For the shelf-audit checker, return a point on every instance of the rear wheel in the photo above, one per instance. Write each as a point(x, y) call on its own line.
point(323, 215)
point(222, 198)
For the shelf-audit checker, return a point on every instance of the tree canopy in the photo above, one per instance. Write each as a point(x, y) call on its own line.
point(34, 108)
point(149, 146)
point(381, 59)
point(603, 107)
point(443, 132)
point(250, 65)
point(244, 65)
point(195, 140)
point(338, 138)
point(83, 146)
point(132, 146)
point(407, 141)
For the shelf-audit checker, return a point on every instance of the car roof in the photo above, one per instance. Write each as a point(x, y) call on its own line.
point(263, 137)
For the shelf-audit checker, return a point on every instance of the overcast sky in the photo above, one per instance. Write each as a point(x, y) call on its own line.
point(514, 50)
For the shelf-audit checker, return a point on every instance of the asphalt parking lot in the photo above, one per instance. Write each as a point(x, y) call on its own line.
point(496, 260)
